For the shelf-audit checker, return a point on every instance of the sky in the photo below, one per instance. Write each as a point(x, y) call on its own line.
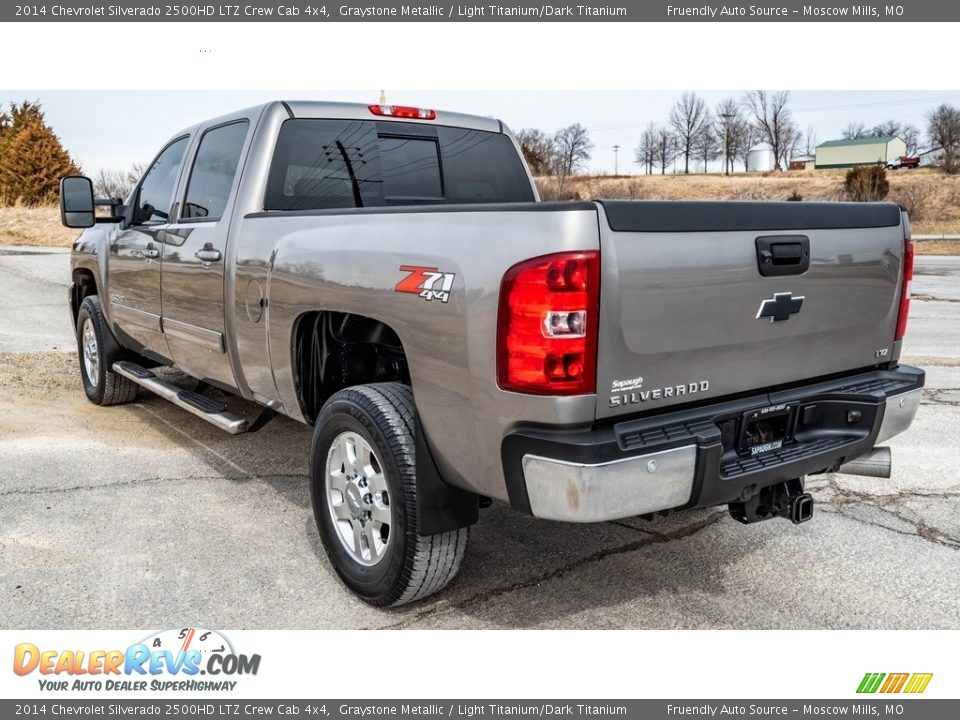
point(112, 130)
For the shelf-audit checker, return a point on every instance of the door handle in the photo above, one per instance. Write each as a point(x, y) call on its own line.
point(150, 253)
point(208, 255)
point(779, 255)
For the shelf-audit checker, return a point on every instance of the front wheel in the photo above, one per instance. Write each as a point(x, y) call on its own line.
point(363, 488)
point(97, 352)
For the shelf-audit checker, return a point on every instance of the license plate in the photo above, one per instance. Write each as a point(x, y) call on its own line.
point(766, 429)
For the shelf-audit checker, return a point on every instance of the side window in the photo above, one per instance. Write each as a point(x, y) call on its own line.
point(214, 170)
point(320, 164)
point(160, 182)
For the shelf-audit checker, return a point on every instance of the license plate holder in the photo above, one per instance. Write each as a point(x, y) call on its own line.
point(766, 429)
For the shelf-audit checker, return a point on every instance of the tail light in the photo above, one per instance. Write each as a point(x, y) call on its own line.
point(905, 287)
point(547, 326)
point(402, 111)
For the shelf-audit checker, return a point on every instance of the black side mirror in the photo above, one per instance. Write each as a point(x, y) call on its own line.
point(76, 202)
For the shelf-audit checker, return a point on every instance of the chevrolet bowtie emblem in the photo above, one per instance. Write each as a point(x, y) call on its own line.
point(781, 307)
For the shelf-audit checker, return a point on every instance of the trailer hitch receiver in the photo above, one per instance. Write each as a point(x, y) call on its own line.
point(786, 500)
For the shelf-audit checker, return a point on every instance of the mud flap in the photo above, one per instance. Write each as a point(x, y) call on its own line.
point(440, 507)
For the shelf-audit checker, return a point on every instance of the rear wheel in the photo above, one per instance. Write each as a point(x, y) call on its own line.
point(363, 487)
point(97, 352)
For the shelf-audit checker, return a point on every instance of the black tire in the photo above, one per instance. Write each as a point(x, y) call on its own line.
point(413, 566)
point(102, 385)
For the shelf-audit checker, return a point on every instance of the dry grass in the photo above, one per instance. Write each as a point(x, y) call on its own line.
point(34, 226)
point(933, 199)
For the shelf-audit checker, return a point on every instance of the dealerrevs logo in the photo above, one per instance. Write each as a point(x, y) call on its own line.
point(169, 660)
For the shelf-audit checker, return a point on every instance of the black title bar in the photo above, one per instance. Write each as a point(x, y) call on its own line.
point(507, 11)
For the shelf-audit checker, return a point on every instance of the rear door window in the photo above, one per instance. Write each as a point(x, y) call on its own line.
point(325, 164)
point(320, 164)
point(214, 170)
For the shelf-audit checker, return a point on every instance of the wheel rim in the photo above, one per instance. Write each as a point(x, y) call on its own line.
point(358, 499)
point(91, 353)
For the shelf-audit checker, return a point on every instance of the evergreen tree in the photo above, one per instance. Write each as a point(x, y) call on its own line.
point(32, 159)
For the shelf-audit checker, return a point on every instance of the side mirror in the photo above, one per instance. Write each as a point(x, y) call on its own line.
point(76, 202)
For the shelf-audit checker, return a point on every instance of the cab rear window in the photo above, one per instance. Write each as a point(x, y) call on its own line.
point(325, 164)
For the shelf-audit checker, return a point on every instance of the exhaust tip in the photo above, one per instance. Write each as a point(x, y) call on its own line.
point(876, 463)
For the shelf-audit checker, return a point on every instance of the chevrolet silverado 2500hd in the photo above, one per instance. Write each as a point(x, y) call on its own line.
point(388, 275)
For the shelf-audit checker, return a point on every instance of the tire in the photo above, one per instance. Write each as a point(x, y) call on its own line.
point(389, 568)
point(97, 351)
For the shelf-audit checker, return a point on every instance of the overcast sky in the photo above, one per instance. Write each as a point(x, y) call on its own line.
point(112, 130)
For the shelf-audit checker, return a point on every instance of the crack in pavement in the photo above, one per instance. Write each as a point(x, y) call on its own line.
point(941, 396)
point(844, 498)
point(599, 556)
point(933, 298)
point(931, 361)
point(145, 481)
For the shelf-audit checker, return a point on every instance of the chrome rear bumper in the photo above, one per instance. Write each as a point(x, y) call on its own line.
point(576, 492)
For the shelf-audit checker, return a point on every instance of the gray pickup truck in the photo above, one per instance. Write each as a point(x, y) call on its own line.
point(388, 275)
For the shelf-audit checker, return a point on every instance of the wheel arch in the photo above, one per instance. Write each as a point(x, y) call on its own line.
point(84, 285)
point(333, 350)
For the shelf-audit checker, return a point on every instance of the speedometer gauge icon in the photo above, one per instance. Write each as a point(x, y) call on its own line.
point(182, 640)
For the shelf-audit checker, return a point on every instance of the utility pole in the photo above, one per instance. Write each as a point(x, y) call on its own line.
point(616, 166)
point(726, 144)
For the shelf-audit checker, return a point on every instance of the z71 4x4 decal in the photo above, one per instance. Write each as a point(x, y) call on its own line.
point(427, 282)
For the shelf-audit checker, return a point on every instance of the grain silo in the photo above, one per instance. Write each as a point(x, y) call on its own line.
point(760, 158)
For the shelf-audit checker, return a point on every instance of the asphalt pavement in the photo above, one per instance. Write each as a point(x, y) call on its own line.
point(144, 516)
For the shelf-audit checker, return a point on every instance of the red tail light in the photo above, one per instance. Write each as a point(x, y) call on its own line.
point(402, 111)
point(547, 328)
point(905, 287)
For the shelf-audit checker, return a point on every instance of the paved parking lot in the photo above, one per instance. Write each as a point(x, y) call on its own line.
point(144, 516)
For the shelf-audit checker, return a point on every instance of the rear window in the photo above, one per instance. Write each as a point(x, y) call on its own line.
point(324, 164)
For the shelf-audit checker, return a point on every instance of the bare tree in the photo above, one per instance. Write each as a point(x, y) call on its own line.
point(689, 118)
point(117, 183)
point(732, 130)
point(810, 141)
point(752, 136)
point(538, 150)
point(792, 142)
point(573, 148)
point(110, 183)
point(663, 153)
point(772, 118)
point(708, 147)
point(855, 131)
point(905, 131)
point(647, 148)
point(943, 131)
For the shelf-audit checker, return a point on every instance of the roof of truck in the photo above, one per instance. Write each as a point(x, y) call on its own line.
point(360, 111)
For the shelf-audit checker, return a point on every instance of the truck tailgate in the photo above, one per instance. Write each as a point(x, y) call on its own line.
point(686, 313)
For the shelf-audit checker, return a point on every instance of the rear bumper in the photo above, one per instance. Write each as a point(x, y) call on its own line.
point(689, 458)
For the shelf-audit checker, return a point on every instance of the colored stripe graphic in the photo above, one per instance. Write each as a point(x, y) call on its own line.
point(894, 683)
point(918, 682)
point(870, 682)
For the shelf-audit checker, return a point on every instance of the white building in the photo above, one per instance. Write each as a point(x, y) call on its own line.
point(760, 158)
